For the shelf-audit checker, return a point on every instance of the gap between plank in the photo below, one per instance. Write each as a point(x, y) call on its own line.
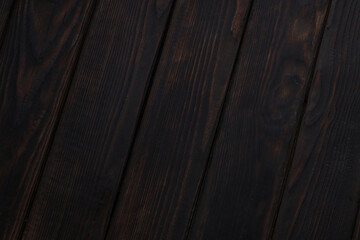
point(142, 110)
point(217, 127)
point(299, 123)
point(58, 117)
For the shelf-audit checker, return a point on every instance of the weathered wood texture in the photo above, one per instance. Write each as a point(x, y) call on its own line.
point(174, 139)
point(253, 144)
point(82, 175)
point(323, 191)
point(179, 119)
point(36, 60)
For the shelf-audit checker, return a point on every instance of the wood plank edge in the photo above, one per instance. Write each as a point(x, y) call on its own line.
point(219, 120)
point(299, 122)
point(139, 118)
point(60, 110)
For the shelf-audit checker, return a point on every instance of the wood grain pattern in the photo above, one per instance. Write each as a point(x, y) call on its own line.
point(174, 139)
point(36, 60)
point(179, 119)
point(253, 144)
point(322, 197)
point(81, 178)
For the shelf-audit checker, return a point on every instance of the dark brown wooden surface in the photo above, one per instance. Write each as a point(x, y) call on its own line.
point(6, 7)
point(322, 196)
point(179, 121)
point(36, 61)
point(98, 121)
point(356, 230)
point(249, 157)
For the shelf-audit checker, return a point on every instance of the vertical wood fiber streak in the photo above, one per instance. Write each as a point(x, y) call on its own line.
point(173, 142)
point(39, 53)
point(322, 195)
point(81, 178)
point(257, 128)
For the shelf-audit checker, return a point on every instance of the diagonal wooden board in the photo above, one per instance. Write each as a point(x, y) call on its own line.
point(80, 181)
point(38, 54)
point(179, 122)
point(322, 196)
point(254, 141)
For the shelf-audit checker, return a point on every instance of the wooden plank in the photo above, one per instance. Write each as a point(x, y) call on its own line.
point(254, 140)
point(83, 171)
point(174, 139)
point(36, 61)
point(322, 196)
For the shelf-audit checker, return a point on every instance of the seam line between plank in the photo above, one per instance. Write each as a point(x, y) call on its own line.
point(217, 128)
point(58, 117)
point(141, 112)
point(299, 123)
point(357, 222)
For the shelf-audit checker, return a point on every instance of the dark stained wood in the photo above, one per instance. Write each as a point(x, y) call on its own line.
point(179, 119)
point(36, 61)
point(322, 197)
point(174, 139)
point(254, 140)
point(356, 231)
point(5, 11)
point(80, 181)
